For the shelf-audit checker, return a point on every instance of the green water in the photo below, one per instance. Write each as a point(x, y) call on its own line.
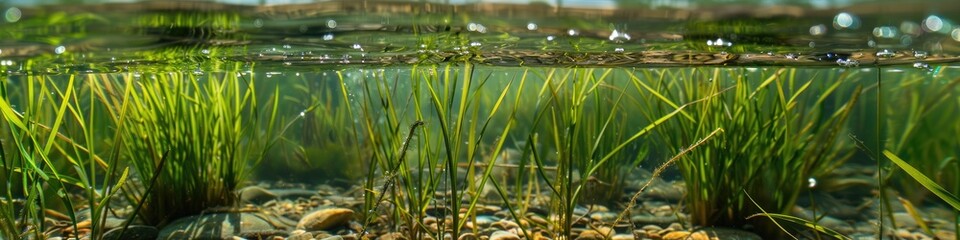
point(541, 109)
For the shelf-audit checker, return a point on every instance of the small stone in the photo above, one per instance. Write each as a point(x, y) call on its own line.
point(256, 194)
point(300, 236)
point(505, 225)
point(675, 226)
point(392, 236)
point(651, 228)
point(606, 231)
point(604, 216)
point(684, 235)
point(503, 235)
point(904, 234)
point(334, 237)
point(589, 235)
point(621, 237)
point(325, 219)
point(468, 236)
point(727, 233)
point(678, 235)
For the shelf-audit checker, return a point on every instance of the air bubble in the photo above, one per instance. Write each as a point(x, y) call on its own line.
point(13, 14)
point(60, 49)
point(818, 30)
point(933, 23)
point(811, 182)
point(328, 37)
point(551, 38)
point(258, 23)
point(332, 23)
point(906, 40)
point(573, 32)
point(920, 55)
point(846, 20)
point(619, 49)
point(531, 26)
point(303, 113)
point(922, 66)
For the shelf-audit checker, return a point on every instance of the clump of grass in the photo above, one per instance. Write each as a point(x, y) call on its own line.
point(919, 118)
point(50, 145)
point(456, 110)
point(208, 130)
point(778, 132)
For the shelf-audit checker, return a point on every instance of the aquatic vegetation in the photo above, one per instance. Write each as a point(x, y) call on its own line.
point(322, 140)
point(783, 124)
point(52, 143)
point(920, 122)
point(206, 131)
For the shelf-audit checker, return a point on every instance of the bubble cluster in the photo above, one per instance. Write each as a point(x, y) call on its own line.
point(818, 30)
point(719, 43)
point(618, 36)
point(476, 27)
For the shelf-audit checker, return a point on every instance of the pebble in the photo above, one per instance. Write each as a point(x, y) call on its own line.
point(684, 235)
point(503, 235)
point(325, 219)
point(604, 216)
point(504, 224)
point(301, 235)
point(334, 237)
point(589, 235)
point(651, 228)
point(392, 236)
point(256, 194)
point(622, 237)
point(468, 236)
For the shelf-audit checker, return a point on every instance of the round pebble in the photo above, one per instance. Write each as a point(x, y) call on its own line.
point(325, 219)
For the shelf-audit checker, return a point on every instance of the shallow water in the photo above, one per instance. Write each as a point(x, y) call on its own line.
point(401, 111)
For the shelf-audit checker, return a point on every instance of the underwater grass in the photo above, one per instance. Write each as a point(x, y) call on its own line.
point(54, 140)
point(920, 112)
point(771, 127)
point(454, 108)
point(209, 128)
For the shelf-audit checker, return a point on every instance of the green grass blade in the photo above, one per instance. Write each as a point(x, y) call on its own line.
point(941, 192)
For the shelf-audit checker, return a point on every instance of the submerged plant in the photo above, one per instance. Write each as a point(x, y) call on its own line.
point(778, 132)
point(919, 119)
point(50, 145)
point(207, 130)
